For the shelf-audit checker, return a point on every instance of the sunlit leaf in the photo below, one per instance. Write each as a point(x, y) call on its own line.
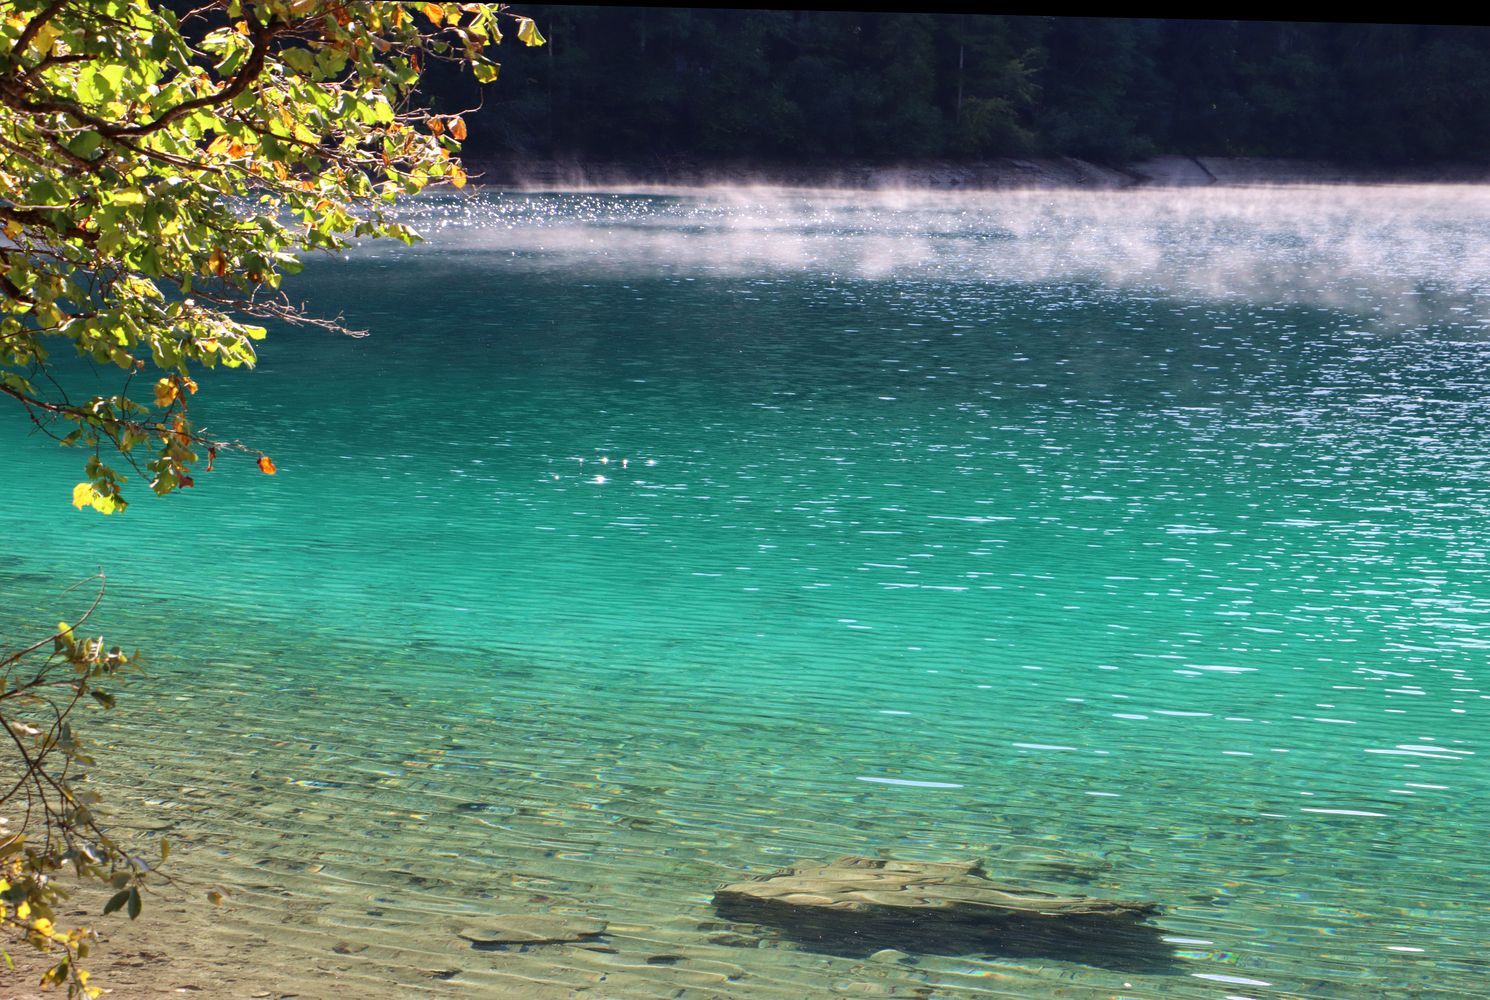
point(527, 32)
point(266, 465)
point(165, 394)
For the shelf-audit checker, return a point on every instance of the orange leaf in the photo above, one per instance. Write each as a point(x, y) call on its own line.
point(458, 128)
point(266, 466)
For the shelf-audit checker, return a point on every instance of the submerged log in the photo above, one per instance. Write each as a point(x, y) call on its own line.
point(861, 906)
point(950, 892)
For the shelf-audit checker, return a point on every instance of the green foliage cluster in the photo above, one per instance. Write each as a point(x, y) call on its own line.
point(162, 170)
point(162, 165)
point(644, 85)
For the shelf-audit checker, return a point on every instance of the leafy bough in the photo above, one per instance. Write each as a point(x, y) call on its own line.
point(48, 827)
point(161, 172)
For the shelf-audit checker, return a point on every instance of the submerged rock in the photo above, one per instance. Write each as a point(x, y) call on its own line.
point(536, 928)
point(861, 905)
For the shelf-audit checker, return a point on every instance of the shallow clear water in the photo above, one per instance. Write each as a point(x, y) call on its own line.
point(1136, 544)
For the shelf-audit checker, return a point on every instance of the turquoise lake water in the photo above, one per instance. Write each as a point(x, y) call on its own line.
point(1136, 544)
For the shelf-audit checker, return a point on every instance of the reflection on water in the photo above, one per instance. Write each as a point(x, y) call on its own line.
point(606, 573)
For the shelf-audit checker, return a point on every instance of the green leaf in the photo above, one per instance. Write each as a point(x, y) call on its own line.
point(85, 144)
point(299, 59)
point(134, 902)
point(117, 900)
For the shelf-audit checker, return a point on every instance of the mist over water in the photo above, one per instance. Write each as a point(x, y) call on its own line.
point(1394, 256)
point(1134, 543)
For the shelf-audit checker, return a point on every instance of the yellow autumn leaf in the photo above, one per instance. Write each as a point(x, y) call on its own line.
point(165, 395)
point(434, 12)
point(457, 175)
point(527, 32)
point(44, 38)
point(85, 495)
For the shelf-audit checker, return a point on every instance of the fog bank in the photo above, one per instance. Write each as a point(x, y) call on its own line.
point(1393, 255)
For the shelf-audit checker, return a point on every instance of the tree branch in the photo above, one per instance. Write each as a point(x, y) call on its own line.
point(29, 33)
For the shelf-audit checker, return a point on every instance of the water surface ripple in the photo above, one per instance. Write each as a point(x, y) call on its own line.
point(1136, 544)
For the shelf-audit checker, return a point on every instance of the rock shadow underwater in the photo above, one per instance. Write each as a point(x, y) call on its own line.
point(857, 906)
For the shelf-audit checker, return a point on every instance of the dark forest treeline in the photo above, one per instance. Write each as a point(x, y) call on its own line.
point(645, 84)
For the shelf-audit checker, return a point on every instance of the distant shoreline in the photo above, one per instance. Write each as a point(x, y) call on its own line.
point(989, 175)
